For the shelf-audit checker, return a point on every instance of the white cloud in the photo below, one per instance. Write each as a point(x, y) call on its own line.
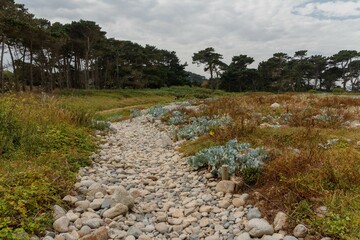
point(256, 28)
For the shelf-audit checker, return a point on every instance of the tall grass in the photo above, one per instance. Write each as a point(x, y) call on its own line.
point(41, 147)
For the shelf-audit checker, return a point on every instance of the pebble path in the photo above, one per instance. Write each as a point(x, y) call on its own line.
point(139, 187)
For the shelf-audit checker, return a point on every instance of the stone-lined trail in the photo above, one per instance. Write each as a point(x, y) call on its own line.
point(139, 187)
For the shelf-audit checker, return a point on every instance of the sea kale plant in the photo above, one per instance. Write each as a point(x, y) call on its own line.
point(201, 125)
point(176, 118)
point(157, 111)
point(239, 157)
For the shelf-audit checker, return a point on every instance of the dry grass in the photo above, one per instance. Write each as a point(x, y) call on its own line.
point(304, 172)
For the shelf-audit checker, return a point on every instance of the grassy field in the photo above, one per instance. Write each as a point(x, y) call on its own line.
point(314, 155)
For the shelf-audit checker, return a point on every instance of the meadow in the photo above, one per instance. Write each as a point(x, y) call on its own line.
point(311, 140)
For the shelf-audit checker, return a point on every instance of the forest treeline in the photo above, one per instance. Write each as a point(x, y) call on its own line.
point(79, 55)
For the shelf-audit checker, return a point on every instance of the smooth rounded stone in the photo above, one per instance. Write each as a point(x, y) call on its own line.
point(98, 234)
point(122, 196)
point(130, 238)
point(321, 211)
point(144, 237)
point(78, 223)
point(253, 213)
point(89, 215)
point(93, 223)
point(225, 186)
point(238, 202)
point(106, 203)
point(178, 213)
point(134, 231)
point(290, 238)
point(95, 188)
point(278, 236)
point(267, 237)
point(96, 204)
point(175, 221)
point(58, 212)
point(99, 195)
point(70, 199)
point(85, 230)
point(118, 209)
point(224, 204)
point(207, 197)
point(149, 228)
point(280, 221)
point(48, 238)
point(72, 216)
point(205, 209)
point(300, 231)
point(83, 204)
point(326, 238)
point(243, 236)
point(162, 227)
point(258, 227)
point(61, 225)
point(204, 222)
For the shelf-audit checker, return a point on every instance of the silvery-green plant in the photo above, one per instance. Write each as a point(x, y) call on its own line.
point(238, 156)
point(201, 125)
point(157, 111)
point(135, 113)
point(176, 118)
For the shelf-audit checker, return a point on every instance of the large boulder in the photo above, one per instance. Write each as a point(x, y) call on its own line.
point(225, 186)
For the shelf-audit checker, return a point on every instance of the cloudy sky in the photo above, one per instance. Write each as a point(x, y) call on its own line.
point(257, 28)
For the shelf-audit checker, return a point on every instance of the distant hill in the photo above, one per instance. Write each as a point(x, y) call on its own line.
point(195, 79)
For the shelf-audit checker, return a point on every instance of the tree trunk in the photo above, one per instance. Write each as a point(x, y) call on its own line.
point(3, 39)
point(23, 80)
point(31, 67)
point(16, 80)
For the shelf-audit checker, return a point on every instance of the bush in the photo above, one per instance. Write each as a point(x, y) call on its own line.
point(201, 125)
point(239, 157)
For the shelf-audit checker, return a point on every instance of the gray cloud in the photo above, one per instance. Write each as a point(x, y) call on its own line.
point(256, 28)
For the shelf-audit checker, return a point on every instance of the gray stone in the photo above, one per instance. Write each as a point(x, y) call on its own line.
point(118, 209)
point(62, 224)
point(130, 238)
point(289, 238)
point(96, 204)
point(275, 105)
point(300, 231)
point(85, 230)
point(58, 212)
point(95, 188)
point(224, 204)
point(225, 186)
point(122, 196)
point(259, 227)
point(93, 222)
point(253, 213)
point(70, 199)
point(134, 231)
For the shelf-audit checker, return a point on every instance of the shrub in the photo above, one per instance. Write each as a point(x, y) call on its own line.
point(157, 111)
point(176, 118)
point(239, 157)
point(201, 125)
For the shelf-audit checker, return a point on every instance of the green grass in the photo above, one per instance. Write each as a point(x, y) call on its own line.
point(42, 147)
